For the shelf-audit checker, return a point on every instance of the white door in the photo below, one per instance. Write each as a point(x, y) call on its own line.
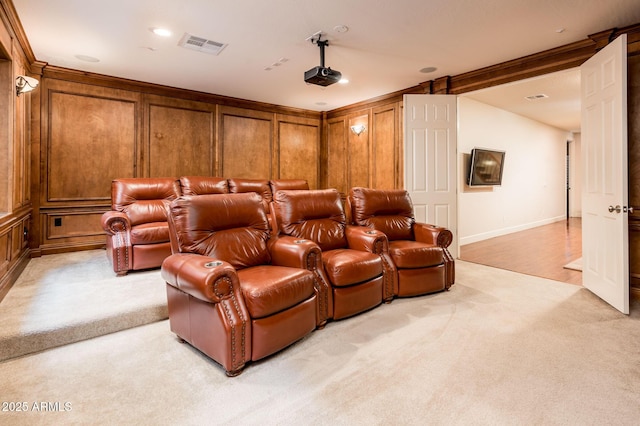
point(605, 247)
point(430, 149)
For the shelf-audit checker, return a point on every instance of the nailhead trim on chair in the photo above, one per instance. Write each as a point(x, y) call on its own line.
point(318, 285)
point(121, 245)
point(234, 362)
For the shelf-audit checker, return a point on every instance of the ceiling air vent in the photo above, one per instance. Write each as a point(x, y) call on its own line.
point(200, 44)
point(536, 97)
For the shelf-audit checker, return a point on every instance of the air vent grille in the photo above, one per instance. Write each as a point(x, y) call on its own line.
point(201, 44)
point(536, 97)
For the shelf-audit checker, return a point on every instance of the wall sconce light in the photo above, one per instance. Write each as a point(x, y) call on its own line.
point(358, 128)
point(25, 84)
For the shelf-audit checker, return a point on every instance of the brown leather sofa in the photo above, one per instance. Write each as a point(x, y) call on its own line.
point(232, 293)
point(354, 259)
point(136, 227)
point(418, 250)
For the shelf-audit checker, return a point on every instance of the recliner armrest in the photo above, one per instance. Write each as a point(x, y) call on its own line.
point(113, 222)
point(431, 234)
point(295, 253)
point(201, 276)
point(366, 239)
point(306, 254)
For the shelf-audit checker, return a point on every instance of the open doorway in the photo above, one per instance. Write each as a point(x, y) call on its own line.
point(531, 224)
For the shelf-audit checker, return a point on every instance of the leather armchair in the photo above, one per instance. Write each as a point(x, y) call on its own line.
point(418, 250)
point(355, 260)
point(232, 293)
point(136, 226)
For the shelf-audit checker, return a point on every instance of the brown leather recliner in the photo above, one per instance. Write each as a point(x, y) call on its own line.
point(355, 259)
point(418, 250)
point(232, 293)
point(288, 184)
point(259, 186)
point(136, 226)
point(200, 185)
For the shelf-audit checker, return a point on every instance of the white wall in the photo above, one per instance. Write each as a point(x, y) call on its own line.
point(533, 190)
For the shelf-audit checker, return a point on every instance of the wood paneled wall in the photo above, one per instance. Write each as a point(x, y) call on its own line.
point(373, 158)
point(95, 129)
point(15, 151)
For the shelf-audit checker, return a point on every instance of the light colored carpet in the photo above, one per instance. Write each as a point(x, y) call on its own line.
point(65, 298)
point(500, 348)
point(576, 265)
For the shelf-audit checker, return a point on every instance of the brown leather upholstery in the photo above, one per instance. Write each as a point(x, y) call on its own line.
point(200, 185)
point(419, 251)
point(353, 257)
point(233, 293)
point(287, 184)
point(136, 226)
point(259, 186)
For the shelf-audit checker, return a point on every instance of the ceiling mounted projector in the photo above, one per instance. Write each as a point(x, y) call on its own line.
point(321, 75)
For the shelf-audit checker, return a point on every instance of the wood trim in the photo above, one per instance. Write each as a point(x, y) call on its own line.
point(7, 280)
point(66, 74)
point(635, 293)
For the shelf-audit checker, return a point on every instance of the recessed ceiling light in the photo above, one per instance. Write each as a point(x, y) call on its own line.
point(428, 70)
point(276, 64)
point(87, 58)
point(162, 32)
point(343, 81)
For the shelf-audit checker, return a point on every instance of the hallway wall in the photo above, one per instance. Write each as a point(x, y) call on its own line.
point(533, 184)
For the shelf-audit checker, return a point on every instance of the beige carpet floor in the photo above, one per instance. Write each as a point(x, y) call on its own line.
point(64, 298)
point(500, 348)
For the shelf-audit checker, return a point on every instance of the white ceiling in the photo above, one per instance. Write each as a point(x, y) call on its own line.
point(561, 107)
point(387, 43)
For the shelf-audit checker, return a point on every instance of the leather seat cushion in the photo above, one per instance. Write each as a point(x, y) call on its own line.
point(346, 266)
point(269, 289)
point(150, 233)
point(414, 254)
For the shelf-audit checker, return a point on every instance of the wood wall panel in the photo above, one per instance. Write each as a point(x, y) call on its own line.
point(5, 252)
point(92, 140)
point(337, 155)
point(21, 150)
point(181, 141)
point(247, 144)
point(17, 240)
point(373, 158)
point(299, 149)
point(358, 160)
point(385, 145)
point(65, 224)
point(7, 142)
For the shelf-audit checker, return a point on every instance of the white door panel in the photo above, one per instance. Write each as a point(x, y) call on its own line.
point(605, 247)
point(430, 148)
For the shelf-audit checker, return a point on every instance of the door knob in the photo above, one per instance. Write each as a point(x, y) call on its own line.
point(627, 209)
point(616, 209)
